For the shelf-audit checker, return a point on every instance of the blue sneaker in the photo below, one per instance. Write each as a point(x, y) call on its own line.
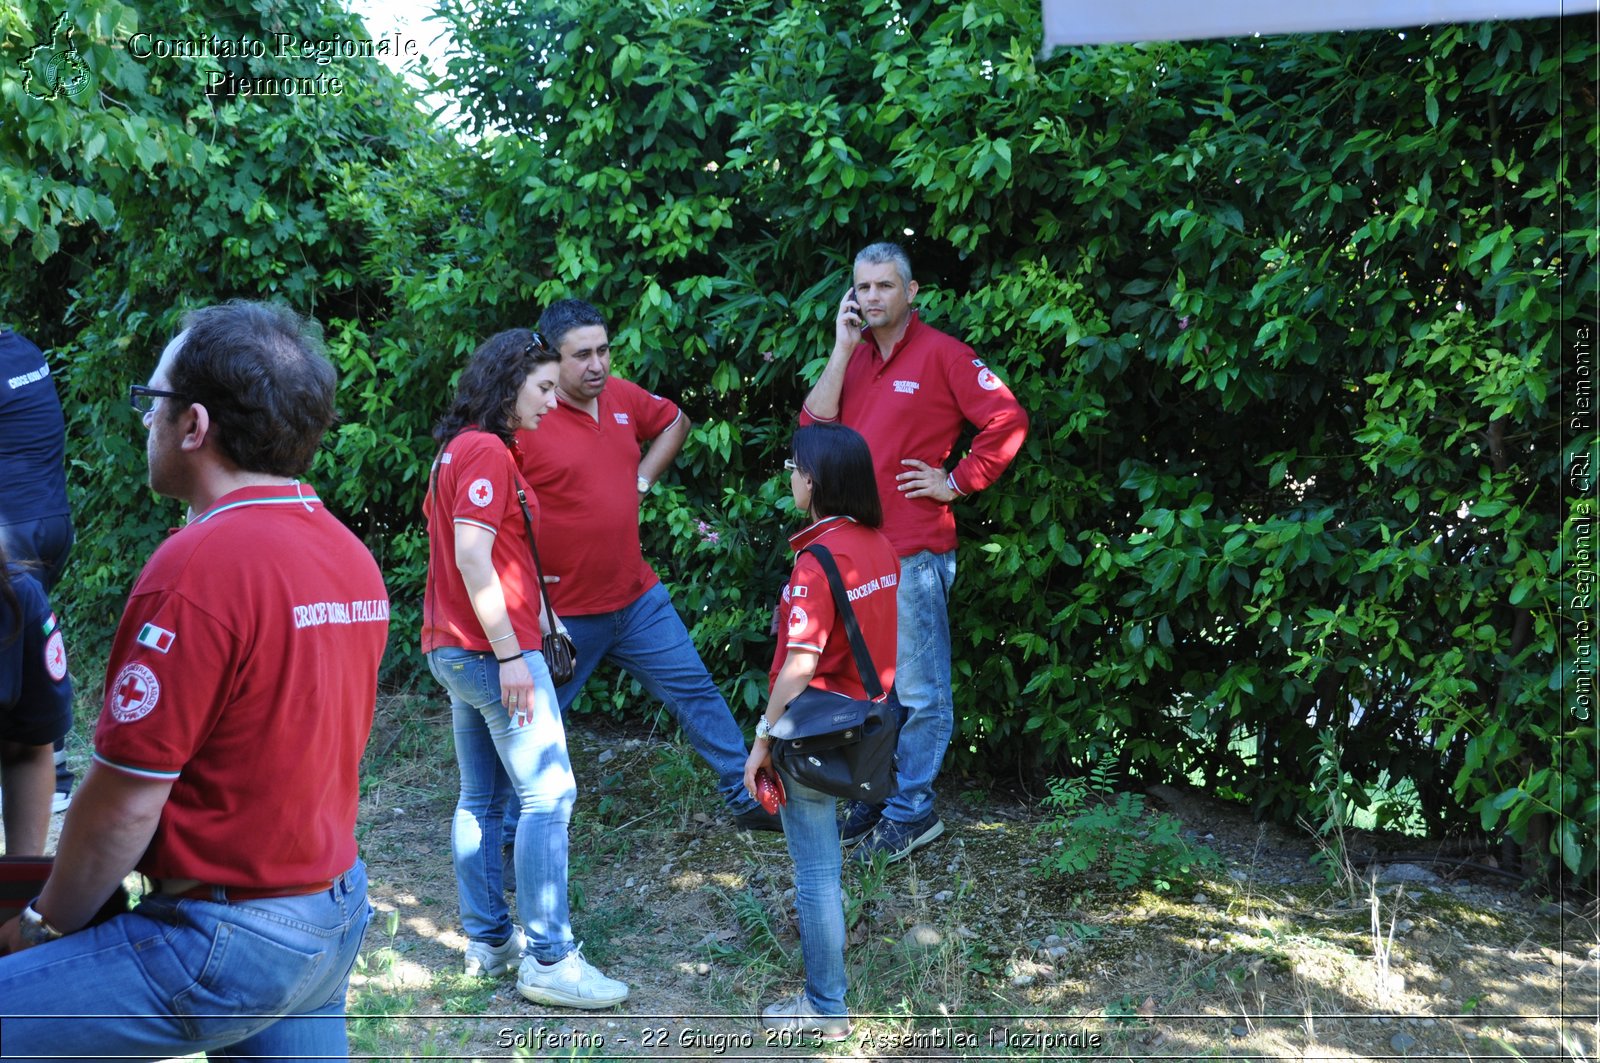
point(858, 821)
point(896, 841)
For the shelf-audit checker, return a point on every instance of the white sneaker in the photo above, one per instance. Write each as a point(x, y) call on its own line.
point(491, 961)
point(59, 802)
point(570, 982)
point(798, 1016)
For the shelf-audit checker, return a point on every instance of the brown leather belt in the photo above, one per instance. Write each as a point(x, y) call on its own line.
point(195, 890)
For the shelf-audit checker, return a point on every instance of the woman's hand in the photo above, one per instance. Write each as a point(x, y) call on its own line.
point(760, 757)
point(474, 560)
point(793, 677)
point(516, 690)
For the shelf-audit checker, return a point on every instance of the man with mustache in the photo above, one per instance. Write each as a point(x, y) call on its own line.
point(584, 463)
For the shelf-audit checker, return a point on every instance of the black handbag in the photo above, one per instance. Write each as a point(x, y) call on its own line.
point(839, 745)
point(560, 655)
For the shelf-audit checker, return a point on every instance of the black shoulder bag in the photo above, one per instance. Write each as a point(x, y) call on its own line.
point(836, 744)
point(560, 655)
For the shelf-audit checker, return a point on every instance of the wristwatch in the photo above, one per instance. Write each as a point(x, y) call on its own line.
point(644, 486)
point(33, 929)
point(763, 729)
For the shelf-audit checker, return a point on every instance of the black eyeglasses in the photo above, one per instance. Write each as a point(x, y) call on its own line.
point(143, 399)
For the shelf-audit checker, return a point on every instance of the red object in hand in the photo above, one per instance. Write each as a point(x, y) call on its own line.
point(769, 790)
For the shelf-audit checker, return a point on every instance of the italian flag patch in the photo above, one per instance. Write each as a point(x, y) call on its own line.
point(157, 638)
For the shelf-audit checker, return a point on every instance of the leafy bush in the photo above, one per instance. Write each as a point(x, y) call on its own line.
point(147, 197)
point(1289, 315)
point(1099, 829)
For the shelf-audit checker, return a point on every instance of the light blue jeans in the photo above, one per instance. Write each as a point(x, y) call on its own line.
point(499, 761)
point(260, 979)
point(922, 680)
point(648, 641)
point(811, 830)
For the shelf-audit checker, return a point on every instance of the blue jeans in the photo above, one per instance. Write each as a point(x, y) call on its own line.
point(812, 833)
point(499, 761)
point(922, 680)
point(249, 979)
point(648, 641)
point(47, 540)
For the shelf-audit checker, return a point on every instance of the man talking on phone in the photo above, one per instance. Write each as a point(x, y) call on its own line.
point(910, 389)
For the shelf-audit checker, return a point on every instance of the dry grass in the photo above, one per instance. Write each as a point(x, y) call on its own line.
point(690, 913)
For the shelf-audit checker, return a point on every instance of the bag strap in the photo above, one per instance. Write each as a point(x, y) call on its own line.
point(538, 570)
point(841, 601)
point(433, 493)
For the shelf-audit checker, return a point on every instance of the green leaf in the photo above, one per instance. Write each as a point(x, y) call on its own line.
point(1570, 848)
point(1501, 257)
point(1506, 799)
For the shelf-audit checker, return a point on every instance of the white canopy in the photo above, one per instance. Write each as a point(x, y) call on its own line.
point(1069, 22)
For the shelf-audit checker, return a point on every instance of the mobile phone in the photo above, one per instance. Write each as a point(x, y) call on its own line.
point(854, 306)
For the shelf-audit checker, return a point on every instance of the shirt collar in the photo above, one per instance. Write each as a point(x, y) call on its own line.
point(808, 535)
point(600, 399)
point(913, 326)
point(290, 494)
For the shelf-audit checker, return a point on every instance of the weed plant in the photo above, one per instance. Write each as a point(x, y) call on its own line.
point(1099, 829)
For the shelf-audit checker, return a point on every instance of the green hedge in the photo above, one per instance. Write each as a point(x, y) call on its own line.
point(1289, 315)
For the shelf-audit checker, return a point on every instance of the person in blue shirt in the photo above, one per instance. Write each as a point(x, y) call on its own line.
point(35, 519)
point(35, 707)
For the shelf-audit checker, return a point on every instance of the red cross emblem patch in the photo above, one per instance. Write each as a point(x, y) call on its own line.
point(481, 493)
point(55, 656)
point(133, 693)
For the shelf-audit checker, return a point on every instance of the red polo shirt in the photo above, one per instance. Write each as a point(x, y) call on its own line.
point(586, 471)
point(808, 618)
point(475, 481)
point(245, 668)
point(913, 405)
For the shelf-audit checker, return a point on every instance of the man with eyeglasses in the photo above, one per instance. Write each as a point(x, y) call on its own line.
point(911, 390)
point(584, 463)
point(238, 699)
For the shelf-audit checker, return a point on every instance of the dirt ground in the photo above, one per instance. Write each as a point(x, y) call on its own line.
point(964, 951)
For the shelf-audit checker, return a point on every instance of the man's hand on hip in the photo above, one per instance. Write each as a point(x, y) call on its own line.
point(922, 480)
